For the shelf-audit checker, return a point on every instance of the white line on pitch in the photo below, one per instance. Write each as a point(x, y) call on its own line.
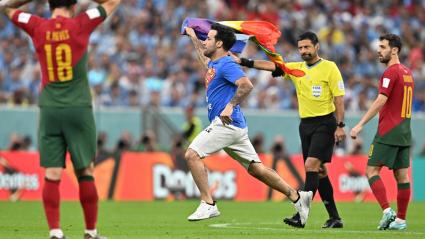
point(252, 226)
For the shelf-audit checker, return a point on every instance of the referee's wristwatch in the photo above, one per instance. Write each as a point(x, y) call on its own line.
point(340, 124)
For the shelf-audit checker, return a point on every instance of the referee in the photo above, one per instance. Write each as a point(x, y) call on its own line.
point(321, 108)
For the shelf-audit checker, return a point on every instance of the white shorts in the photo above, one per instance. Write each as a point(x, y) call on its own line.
point(233, 140)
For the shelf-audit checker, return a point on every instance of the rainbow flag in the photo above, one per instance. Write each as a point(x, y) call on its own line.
point(203, 26)
point(263, 33)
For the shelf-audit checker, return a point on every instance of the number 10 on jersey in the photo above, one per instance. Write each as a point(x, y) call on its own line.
point(63, 62)
point(406, 108)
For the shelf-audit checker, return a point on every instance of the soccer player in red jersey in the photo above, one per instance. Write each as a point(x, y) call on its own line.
point(66, 118)
point(392, 142)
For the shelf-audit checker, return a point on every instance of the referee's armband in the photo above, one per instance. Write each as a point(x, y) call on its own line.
point(277, 72)
point(247, 62)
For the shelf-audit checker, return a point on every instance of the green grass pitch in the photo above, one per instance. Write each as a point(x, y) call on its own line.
point(122, 220)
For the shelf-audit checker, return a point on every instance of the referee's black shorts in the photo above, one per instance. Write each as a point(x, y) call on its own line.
point(317, 137)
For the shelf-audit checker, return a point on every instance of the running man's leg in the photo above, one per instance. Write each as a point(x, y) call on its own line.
point(273, 180)
point(212, 139)
point(200, 174)
point(243, 151)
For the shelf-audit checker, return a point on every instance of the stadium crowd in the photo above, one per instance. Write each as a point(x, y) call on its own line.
point(139, 57)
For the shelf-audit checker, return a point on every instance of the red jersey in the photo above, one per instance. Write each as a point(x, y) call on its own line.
point(394, 118)
point(61, 47)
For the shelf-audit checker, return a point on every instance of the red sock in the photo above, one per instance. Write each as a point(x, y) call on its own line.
point(51, 201)
point(378, 189)
point(403, 196)
point(88, 199)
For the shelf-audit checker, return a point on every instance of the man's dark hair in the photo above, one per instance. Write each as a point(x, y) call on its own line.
point(61, 3)
point(309, 36)
point(224, 34)
point(393, 40)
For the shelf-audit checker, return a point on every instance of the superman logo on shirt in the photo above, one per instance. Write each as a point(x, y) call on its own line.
point(209, 76)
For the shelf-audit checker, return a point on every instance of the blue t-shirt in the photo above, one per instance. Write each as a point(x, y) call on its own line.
point(220, 81)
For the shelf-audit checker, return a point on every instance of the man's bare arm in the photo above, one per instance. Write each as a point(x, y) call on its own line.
point(199, 47)
point(371, 112)
point(244, 88)
point(339, 108)
point(259, 65)
point(8, 7)
point(109, 5)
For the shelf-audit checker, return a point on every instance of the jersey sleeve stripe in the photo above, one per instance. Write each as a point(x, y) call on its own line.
point(102, 11)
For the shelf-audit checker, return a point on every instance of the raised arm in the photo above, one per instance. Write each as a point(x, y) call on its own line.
point(109, 5)
point(8, 7)
point(199, 47)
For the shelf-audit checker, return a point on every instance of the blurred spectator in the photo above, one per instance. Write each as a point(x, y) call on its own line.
point(356, 176)
point(102, 151)
point(15, 142)
point(278, 151)
point(125, 142)
point(357, 147)
point(22, 143)
point(27, 144)
point(177, 153)
point(258, 143)
point(140, 59)
point(193, 125)
point(147, 142)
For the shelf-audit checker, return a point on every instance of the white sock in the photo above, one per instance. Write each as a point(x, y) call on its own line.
point(92, 233)
point(398, 220)
point(386, 210)
point(57, 232)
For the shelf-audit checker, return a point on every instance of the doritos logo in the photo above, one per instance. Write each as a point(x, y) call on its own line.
point(209, 76)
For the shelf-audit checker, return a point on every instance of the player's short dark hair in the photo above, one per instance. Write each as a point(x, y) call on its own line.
point(224, 34)
point(309, 35)
point(393, 40)
point(61, 3)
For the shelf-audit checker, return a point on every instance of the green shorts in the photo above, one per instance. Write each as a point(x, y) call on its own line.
point(66, 129)
point(392, 156)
